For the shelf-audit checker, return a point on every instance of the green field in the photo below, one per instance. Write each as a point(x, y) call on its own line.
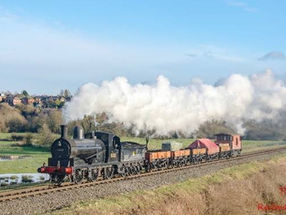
point(38, 155)
point(35, 156)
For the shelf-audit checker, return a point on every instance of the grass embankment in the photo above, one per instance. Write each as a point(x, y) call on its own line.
point(235, 190)
point(34, 156)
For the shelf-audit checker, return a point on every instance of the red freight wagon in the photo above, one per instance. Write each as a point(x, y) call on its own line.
point(211, 147)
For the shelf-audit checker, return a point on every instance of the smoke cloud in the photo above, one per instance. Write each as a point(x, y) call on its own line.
point(167, 109)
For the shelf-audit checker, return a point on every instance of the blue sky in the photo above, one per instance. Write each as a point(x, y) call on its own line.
point(50, 45)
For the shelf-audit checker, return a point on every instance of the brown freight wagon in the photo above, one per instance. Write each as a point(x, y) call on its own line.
point(157, 159)
point(180, 157)
point(224, 147)
point(199, 151)
point(155, 155)
point(181, 153)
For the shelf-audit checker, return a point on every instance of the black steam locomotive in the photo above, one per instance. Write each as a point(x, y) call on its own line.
point(92, 155)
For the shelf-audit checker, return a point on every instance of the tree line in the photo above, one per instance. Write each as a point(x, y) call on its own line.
point(45, 122)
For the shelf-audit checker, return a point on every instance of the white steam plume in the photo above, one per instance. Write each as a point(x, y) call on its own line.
point(167, 109)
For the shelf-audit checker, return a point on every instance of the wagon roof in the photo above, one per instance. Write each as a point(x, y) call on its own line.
point(205, 143)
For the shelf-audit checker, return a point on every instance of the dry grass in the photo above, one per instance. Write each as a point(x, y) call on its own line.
point(236, 190)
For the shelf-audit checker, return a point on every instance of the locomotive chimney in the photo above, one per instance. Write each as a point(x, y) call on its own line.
point(78, 133)
point(64, 131)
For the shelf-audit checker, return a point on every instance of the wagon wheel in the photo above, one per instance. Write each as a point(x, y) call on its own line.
point(196, 160)
point(94, 174)
point(123, 171)
point(129, 170)
point(147, 168)
point(178, 163)
point(78, 176)
point(108, 172)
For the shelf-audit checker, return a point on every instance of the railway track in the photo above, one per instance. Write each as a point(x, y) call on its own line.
point(45, 189)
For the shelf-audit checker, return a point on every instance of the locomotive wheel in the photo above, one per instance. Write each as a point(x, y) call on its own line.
point(57, 179)
point(78, 176)
point(138, 169)
point(108, 172)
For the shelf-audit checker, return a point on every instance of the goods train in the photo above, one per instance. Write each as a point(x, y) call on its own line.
point(101, 154)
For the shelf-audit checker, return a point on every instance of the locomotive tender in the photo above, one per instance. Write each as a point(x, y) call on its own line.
point(102, 154)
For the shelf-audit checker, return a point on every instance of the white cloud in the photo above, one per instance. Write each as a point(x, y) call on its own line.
point(242, 5)
point(274, 55)
point(209, 51)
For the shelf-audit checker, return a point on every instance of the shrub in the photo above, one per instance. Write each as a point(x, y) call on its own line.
point(15, 137)
point(54, 119)
point(46, 137)
point(13, 182)
point(11, 119)
point(28, 140)
point(14, 177)
point(42, 178)
point(27, 179)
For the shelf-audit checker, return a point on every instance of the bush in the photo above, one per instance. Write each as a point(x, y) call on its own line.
point(15, 137)
point(54, 119)
point(28, 140)
point(11, 119)
point(4, 184)
point(13, 182)
point(42, 178)
point(27, 179)
point(14, 177)
point(46, 137)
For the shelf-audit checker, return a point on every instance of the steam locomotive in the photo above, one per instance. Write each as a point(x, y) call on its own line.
point(93, 155)
point(102, 154)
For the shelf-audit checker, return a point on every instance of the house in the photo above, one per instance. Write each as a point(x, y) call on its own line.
point(28, 100)
point(13, 100)
point(62, 99)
